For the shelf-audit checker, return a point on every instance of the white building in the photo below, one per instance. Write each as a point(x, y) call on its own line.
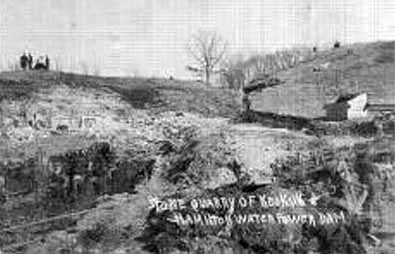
point(347, 107)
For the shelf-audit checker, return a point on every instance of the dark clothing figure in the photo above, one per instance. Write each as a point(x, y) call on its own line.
point(24, 61)
point(39, 66)
point(30, 61)
point(47, 62)
point(336, 45)
point(42, 63)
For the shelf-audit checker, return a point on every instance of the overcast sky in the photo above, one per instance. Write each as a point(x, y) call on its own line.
point(149, 37)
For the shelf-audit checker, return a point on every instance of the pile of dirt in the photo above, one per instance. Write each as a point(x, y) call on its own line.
point(204, 162)
point(321, 178)
point(252, 236)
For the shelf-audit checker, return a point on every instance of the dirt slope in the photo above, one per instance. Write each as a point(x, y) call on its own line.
point(141, 93)
point(349, 69)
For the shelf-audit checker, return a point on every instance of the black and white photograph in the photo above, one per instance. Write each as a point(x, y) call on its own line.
point(197, 127)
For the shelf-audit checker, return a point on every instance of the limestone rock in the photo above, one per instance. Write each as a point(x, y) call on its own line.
point(220, 177)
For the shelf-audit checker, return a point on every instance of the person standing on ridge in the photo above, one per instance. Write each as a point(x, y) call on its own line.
point(46, 62)
point(40, 63)
point(23, 61)
point(30, 61)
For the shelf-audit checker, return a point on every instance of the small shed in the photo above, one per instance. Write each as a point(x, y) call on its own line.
point(347, 107)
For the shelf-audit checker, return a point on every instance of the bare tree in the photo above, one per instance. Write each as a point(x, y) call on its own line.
point(207, 50)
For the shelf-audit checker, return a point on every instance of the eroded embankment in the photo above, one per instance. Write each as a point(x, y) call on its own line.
point(90, 162)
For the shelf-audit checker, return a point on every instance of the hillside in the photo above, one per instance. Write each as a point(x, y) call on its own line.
point(149, 136)
point(54, 99)
point(158, 94)
point(349, 69)
point(84, 158)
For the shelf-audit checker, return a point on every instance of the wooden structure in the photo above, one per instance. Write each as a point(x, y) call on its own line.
point(347, 107)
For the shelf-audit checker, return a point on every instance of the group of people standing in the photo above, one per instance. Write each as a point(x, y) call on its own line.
point(26, 61)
